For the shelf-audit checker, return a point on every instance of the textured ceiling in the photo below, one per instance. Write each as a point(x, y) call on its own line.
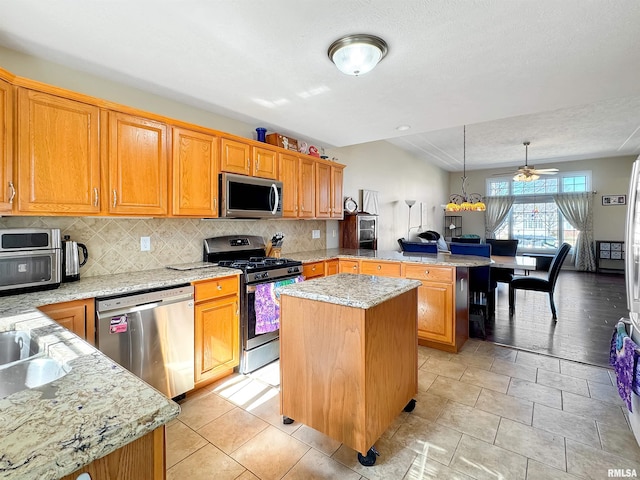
point(562, 75)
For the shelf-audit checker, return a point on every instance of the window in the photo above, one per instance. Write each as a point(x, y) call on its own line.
point(534, 218)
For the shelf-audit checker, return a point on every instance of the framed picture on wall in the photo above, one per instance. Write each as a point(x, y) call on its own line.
point(614, 200)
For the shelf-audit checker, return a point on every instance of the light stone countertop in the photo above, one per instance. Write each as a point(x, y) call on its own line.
point(359, 291)
point(439, 259)
point(97, 407)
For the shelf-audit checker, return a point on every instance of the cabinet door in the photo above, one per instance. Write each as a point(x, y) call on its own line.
point(435, 312)
point(313, 270)
point(265, 163)
point(306, 188)
point(383, 269)
point(288, 170)
point(235, 157)
point(77, 316)
point(216, 337)
point(7, 185)
point(195, 174)
point(330, 267)
point(348, 266)
point(138, 165)
point(58, 155)
point(323, 190)
point(336, 192)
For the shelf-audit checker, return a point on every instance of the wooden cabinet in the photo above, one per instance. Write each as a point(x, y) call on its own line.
point(348, 266)
point(138, 165)
point(58, 155)
point(245, 159)
point(142, 459)
point(77, 316)
point(380, 268)
point(307, 188)
point(313, 269)
point(337, 174)
point(7, 182)
point(288, 168)
point(217, 329)
point(323, 190)
point(195, 174)
point(331, 267)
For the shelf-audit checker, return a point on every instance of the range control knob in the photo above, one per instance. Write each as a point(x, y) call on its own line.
point(293, 270)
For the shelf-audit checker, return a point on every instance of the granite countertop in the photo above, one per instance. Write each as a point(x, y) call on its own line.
point(97, 407)
point(359, 291)
point(440, 259)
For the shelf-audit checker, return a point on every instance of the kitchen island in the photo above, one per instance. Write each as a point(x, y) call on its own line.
point(348, 355)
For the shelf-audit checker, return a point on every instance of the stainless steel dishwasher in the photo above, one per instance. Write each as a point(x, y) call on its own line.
point(150, 333)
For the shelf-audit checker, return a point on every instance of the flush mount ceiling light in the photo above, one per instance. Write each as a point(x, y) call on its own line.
point(466, 202)
point(357, 54)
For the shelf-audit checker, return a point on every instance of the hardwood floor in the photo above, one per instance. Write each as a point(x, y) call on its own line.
point(588, 306)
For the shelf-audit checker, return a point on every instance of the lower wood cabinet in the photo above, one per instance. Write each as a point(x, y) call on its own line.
point(380, 268)
point(77, 316)
point(313, 269)
point(331, 267)
point(142, 459)
point(348, 266)
point(217, 329)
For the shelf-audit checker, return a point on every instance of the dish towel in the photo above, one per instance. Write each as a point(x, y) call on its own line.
point(267, 305)
point(623, 357)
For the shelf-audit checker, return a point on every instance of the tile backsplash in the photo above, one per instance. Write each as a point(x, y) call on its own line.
point(114, 243)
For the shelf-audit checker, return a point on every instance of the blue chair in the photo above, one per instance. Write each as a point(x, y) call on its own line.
point(465, 240)
point(480, 283)
point(417, 247)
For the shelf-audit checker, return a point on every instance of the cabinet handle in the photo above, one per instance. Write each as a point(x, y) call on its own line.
point(313, 268)
point(258, 164)
point(95, 197)
point(426, 272)
point(219, 287)
point(115, 198)
point(355, 266)
point(13, 192)
point(379, 267)
point(248, 164)
point(215, 203)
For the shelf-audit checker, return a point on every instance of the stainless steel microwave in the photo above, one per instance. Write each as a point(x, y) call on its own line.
point(30, 259)
point(249, 197)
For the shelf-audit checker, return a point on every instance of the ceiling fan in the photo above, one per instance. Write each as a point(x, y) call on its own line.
point(529, 173)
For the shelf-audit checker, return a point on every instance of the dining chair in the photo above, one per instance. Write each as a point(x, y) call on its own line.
point(540, 284)
point(417, 247)
point(505, 248)
point(465, 240)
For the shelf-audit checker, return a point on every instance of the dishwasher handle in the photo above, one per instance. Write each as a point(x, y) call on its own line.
point(145, 300)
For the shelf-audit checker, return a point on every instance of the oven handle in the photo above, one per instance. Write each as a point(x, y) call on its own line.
point(252, 288)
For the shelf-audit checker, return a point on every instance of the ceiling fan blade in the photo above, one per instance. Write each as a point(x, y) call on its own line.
point(545, 170)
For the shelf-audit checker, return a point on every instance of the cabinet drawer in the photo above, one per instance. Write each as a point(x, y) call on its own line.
point(219, 287)
point(348, 266)
point(385, 269)
point(429, 272)
point(313, 269)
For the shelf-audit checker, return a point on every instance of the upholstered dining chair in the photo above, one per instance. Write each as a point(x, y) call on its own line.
point(417, 247)
point(540, 284)
point(504, 248)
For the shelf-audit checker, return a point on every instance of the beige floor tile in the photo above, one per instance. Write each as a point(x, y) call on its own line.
point(445, 368)
point(469, 420)
point(317, 440)
point(535, 392)
point(395, 425)
point(269, 411)
point(470, 346)
point(619, 441)
point(497, 352)
point(523, 372)
point(434, 353)
point(427, 438)
point(394, 460)
point(317, 466)
point(270, 454)
point(539, 361)
point(588, 372)
point(605, 393)
point(474, 360)
point(540, 471)
point(505, 406)
point(181, 442)
point(247, 475)
point(429, 405)
point(425, 379)
point(425, 468)
point(250, 393)
point(588, 407)
point(593, 463)
point(531, 442)
point(566, 424)
point(269, 374)
point(455, 390)
point(563, 382)
point(205, 464)
point(486, 379)
point(232, 429)
point(484, 461)
point(201, 410)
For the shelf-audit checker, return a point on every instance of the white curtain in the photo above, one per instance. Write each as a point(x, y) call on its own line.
point(497, 210)
point(577, 208)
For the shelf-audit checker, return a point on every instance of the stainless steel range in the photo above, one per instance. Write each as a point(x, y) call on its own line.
point(259, 307)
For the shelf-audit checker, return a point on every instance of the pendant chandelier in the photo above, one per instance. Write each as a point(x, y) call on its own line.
point(466, 202)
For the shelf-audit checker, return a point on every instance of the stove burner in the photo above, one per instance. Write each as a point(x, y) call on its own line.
point(256, 263)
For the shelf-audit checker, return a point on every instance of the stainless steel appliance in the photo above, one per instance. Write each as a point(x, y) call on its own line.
point(249, 197)
point(247, 253)
point(30, 259)
point(71, 259)
point(151, 334)
point(359, 231)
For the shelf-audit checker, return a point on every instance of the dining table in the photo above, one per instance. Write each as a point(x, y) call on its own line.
point(516, 263)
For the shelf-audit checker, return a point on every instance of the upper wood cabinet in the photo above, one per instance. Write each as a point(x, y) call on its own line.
point(289, 167)
point(240, 157)
point(307, 188)
point(138, 165)
point(195, 174)
point(337, 181)
point(7, 183)
point(323, 190)
point(265, 163)
point(58, 155)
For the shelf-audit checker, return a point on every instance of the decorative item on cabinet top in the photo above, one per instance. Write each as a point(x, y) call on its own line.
point(282, 141)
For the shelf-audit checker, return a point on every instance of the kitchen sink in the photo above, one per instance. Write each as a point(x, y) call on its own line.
point(30, 373)
point(15, 345)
